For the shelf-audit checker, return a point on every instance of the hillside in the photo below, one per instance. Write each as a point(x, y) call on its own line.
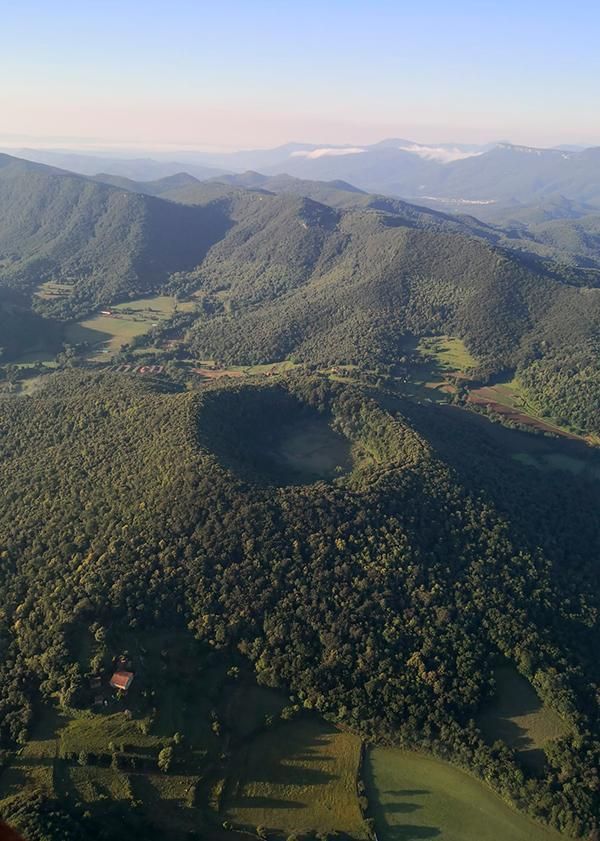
point(131, 168)
point(291, 280)
point(22, 331)
point(103, 242)
point(283, 275)
point(379, 598)
point(449, 176)
point(452, 177)
point(158, 187)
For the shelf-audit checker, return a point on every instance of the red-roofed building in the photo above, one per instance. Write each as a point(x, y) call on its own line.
point(121, 680)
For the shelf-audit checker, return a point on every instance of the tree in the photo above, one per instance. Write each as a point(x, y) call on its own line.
point(165, 759)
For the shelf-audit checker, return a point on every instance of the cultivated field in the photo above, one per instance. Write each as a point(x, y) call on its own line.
point(52, 291)
point(414, 797)
point(518, 717)
point(297, 777)
point(183, 697)
point(510, 400)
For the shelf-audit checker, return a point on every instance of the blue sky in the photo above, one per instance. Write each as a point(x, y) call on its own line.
point(233, 74)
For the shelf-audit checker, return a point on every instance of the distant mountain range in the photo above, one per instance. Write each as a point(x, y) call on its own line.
point(135, 168)
point(451, 177)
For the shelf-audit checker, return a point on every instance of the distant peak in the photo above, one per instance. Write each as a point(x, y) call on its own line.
point(531, 150)
point(442, 154)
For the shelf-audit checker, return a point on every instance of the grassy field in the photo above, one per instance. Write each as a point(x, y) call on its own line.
point(299, 776)
point(511, 400)
point(184, 697)
point(439, 359)
point(106, 334)
point(212, 371)
point(414, 797)
point(50, 290)
point(312, 449)
point(518, 717)
point(446, 353)
point(248, 708)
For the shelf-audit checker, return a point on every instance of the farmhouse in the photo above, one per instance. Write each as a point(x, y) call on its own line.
point(121, 680)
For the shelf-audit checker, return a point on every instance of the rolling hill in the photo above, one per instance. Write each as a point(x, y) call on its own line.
point(294, 280)
point(103, 242)
point(364, 558)
point(380, 597)
point(283, 275)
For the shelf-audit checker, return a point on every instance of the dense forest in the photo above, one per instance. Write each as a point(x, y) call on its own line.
point(380, 598)
point(377, 572)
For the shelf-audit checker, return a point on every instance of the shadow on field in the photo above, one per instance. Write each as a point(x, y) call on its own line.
point(406, 792)
point(292, 775)
point(399, 808)
point(247, 802)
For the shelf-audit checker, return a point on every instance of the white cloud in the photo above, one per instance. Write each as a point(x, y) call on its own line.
point(326, 152)
point(443, 154)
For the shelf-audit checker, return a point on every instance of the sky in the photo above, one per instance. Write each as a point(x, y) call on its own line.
point(191, 74)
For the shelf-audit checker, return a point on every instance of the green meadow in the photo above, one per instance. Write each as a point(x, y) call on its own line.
point(413, 797)
point(447, 353)
point(518, 717)
point(296, 778)
point(106, 334)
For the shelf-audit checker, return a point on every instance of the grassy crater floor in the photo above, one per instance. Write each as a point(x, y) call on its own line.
point(269, 436)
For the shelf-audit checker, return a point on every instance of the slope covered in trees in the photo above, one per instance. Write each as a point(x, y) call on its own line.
point(22, 330)
point(347, 287)
point(283, 275)
point(380, 598)
point(107, 243)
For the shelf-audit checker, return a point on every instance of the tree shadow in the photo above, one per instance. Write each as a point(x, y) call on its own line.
point(291, 775)
point(399, 808)
point(406, 792)
point(258, 802)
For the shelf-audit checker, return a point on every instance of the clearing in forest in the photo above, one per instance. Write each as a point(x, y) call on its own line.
point(297, 777)
point(447, 353)
point(414, 797)
point(106, 334)
point(518, 717)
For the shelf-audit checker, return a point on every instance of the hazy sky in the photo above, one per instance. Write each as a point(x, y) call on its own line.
point(232, 74)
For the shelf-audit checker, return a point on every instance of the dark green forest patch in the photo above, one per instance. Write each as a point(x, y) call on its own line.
point(379, 600)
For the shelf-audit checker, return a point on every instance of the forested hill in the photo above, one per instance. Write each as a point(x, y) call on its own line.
point(292, 279)
point(105, 242)
point(381, 598)
point(283, 275)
